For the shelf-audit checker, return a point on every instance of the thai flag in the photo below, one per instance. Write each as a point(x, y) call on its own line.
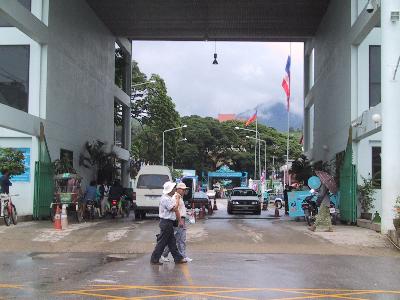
point(286, 82)
point(251, 119)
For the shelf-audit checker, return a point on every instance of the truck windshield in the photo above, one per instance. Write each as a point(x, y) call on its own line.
point(152, 181)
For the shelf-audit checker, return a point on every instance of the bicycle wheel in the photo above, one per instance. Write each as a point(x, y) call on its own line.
point(7, 218)
point(14, 216)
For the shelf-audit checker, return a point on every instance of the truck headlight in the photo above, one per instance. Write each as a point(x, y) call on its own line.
point(235, 202)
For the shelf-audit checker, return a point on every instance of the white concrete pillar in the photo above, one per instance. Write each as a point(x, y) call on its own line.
point(390, 112)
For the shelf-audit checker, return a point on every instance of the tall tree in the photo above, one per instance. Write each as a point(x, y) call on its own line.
point(155, 112)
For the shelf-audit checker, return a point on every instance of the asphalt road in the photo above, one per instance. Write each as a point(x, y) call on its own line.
point(233, 258)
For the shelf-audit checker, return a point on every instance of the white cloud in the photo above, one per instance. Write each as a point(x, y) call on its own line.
point(248, 74)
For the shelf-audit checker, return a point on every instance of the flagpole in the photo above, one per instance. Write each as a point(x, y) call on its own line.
point(259, 153)
point(288, 120)
point(255, 151)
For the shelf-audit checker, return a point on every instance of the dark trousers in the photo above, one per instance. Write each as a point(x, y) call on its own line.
point(166, 238)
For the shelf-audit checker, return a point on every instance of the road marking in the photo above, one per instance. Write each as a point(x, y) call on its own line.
point(53, 236)
point(217, 292)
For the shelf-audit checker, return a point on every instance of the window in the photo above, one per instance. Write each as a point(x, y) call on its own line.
point(25, 3)
point(118, 124)
point(152, 181)
point(14, 76)
point(376, 167)
point(311, 67)
point(310, 127)
point(67, 155)
point(374, 75)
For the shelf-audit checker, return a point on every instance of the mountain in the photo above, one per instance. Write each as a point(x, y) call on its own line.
point(274, 116)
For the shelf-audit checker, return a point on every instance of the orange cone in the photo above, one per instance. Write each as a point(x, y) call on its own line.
point(57, 219)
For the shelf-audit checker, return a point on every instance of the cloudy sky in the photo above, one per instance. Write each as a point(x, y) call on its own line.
point(248, 74)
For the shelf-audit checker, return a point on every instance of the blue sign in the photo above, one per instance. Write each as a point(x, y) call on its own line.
point(26, 176)
point(296, 199)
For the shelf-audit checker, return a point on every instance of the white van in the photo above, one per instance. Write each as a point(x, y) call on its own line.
point(149, 188)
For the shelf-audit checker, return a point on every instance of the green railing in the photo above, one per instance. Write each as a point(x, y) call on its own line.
point(44, 180)
point(348, 188)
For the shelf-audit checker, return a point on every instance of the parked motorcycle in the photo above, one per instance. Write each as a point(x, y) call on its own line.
point(334, 213)
point(114, 207)
point(310, 209)
point(91, 206)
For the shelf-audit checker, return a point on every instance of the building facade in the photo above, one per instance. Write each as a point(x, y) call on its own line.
point(350, 88)
point(57, 67)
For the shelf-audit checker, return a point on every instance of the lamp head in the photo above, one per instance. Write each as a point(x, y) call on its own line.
point(376, 118)
point(215, 62)
point(184, 126)
point(247, 137)
point(236, 127)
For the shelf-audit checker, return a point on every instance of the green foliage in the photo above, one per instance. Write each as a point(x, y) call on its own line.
point(365, 192)
point(101, 162)
point(154, 112)
point(63, 165)
point(176, 174)
point(210, 143)
point(11, 160)
point(302, 169)
point(397, 207)
point(119, 67)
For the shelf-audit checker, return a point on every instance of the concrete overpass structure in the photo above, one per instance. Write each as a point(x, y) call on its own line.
point(72, 67)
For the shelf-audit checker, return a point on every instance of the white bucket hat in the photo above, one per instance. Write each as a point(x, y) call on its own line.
point(181, 185)
point(168, 187)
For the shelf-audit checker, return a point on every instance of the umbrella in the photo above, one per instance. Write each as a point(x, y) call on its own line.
point(327, 180)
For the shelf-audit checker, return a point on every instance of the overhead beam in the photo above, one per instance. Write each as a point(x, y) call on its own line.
point(122, 96)
point(364, 24)
point(17, 120)
point(18, 16)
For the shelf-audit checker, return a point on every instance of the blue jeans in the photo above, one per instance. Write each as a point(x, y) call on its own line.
point(180, 236)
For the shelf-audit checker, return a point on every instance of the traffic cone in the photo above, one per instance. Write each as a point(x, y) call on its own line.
point(64, 217)
point(57, 219)
point(215, 204)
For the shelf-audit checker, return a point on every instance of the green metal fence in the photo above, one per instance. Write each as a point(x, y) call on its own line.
point(348, 188)
point(44, 180)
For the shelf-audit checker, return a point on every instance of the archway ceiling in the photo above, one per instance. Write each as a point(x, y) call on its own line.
point(222, 20)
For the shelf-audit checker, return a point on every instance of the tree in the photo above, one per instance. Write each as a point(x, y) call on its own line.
point(99, 160)
point(12, 160)
point(155, 112)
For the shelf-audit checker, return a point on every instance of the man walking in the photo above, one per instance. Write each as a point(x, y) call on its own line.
point(169, 213)
point(180, 232)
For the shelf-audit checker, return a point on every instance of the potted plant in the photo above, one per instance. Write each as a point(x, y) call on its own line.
point(396, 220)
point(365, 192)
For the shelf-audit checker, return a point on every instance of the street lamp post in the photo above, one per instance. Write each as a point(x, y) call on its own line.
point(255, 148)
point(143, 83)
point(163, 141)
point(265, 151)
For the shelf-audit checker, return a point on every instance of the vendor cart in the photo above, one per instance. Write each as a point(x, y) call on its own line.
point(67, 193)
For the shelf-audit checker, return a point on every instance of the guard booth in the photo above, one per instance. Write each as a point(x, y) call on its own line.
point(231, 178)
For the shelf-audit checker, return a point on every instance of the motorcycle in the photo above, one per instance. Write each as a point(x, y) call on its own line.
point(114, 207)
point(310, 209)
point(126, 205)
point(91, 207)
point(334, 213)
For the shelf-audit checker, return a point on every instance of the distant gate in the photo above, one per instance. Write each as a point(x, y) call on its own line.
point(44, 180)
point(348, 187)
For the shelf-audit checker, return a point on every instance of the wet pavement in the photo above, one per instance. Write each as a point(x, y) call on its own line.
point(233, 258)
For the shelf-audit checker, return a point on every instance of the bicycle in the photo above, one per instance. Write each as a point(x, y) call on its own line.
point(7, 209)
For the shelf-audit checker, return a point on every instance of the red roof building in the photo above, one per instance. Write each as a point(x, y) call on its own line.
point(226, 117)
